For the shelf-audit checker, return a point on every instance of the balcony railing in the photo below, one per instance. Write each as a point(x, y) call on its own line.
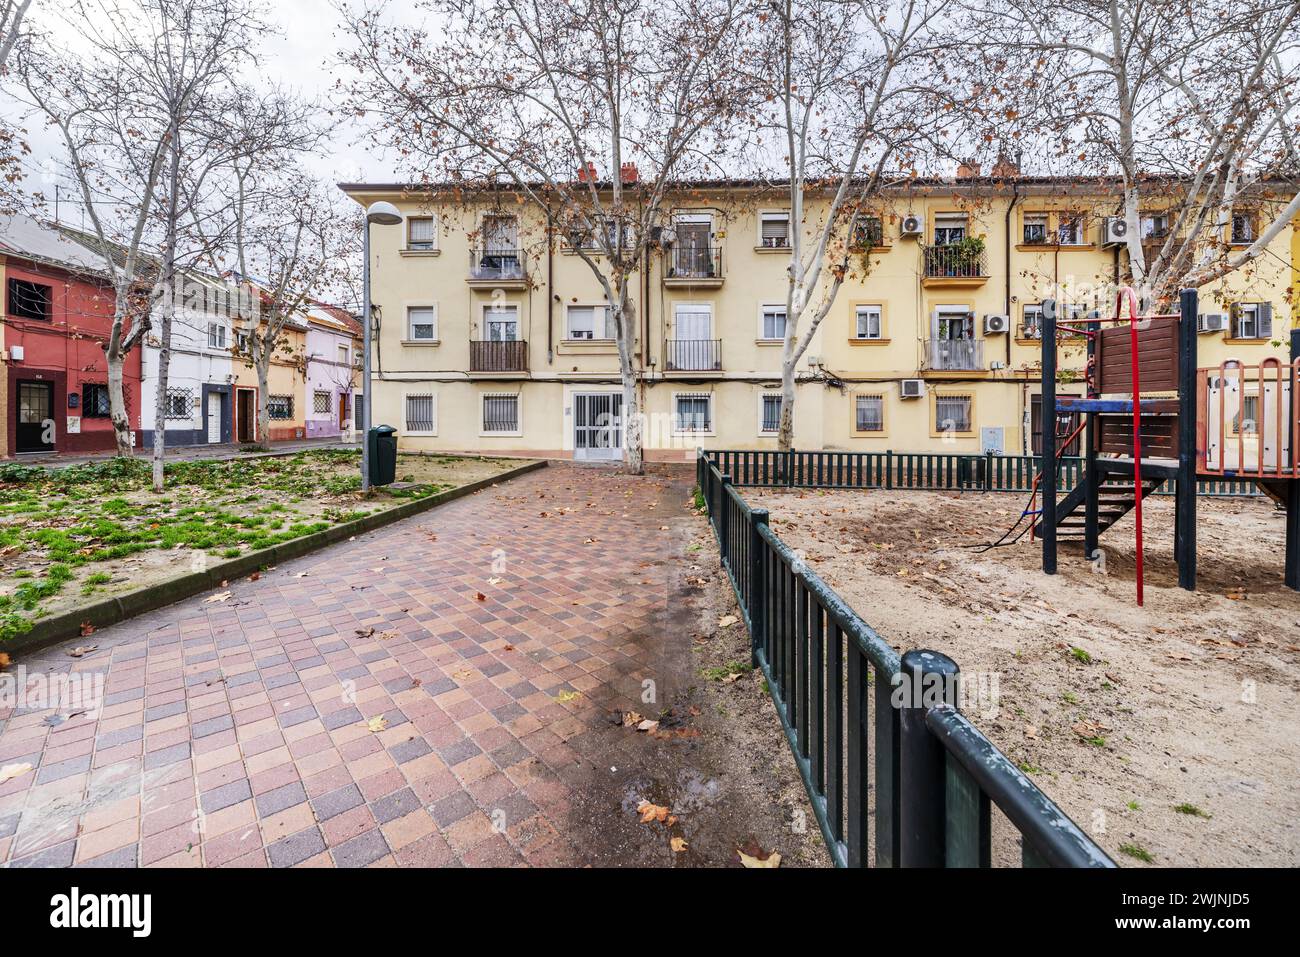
point(954, 355)
point(496, 264)
point(693, 355)
point(955, 262)
point(695, 262)
point(510, 355)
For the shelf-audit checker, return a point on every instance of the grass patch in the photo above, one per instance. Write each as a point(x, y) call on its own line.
point(1078, 654)
point(726, 671)
point(1138, 852)
point(1191, 810)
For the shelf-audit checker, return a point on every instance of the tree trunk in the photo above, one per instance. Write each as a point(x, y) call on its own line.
point(263, 399)
point(160, 396)
point(785, 433)
point(633, 434)
point(115, 358)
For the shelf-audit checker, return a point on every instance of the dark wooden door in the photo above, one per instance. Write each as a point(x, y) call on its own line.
point(36, 428)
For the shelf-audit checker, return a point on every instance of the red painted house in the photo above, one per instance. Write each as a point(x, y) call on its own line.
point(58, 311)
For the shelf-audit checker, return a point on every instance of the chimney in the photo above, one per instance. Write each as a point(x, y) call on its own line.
point(968, 169)
point(587, 174)
point(629, 174)
point(1005, 167)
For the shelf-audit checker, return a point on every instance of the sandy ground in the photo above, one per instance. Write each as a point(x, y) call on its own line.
point(1170, 731)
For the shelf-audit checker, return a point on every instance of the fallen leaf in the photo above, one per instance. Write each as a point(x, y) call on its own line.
point(479, 596)
point(11, 771)
point(758, 860)
point(256, 576)
point(377, 723)
point(5, 660)
point(631, 719)
point(87, 629)
point(727, 621)
point(494, 581)
point(222, 596)
point(654, 812)
point(564, 697)
point(647, 725)
point(82, 651)
point(387, 635)
point(678, 844)
point(365, 632)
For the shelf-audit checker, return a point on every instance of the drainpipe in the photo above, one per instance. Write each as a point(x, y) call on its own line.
point(550, 287)
point(1015, 198)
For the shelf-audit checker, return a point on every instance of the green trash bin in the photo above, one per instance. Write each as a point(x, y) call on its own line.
point(383, 455)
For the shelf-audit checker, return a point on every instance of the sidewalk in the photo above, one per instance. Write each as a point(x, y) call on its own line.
point(189, 453)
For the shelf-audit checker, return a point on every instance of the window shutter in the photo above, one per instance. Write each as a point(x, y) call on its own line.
point(934, 324)
point(774, 228)
point(1264, 320)
point(1234, 316)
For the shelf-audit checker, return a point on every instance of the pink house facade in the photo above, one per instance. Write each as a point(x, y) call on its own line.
point(333, 372)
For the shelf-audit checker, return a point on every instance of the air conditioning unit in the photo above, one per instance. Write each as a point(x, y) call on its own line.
point(912, 226)
point(912, 388)
point(1114, 231)
point(994, 324)
point(1212, 322)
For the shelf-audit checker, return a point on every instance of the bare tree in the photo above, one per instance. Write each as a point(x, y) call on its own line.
point(135, 122)
point(526, 94)
point(11, 21)
point(1190, 106)
point(857, 97)
point(291, 241)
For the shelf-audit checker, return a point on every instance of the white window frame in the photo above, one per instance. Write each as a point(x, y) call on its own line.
point(1039, 218)
point(1249, 220)
point(406, 428)
point(711, 423)
point(608, 322)
point(519, 414)
point(1067, 219)
point(969, 399)
point(409, 336)
point(485, 309)
point(762, 400)
point(217, 330)
point(879, 308)
point(432, 247)
point(763, 310)
point(858, 397)
point(1025, 312)
point(769, 216)
point(1152, 217)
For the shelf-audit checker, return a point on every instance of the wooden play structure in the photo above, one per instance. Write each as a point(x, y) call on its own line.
point(1151, 416)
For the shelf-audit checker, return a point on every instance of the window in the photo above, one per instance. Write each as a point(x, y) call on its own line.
point(867, 232)
point(422, 323)
point(501, 323)
point(420, 413)
point(500, 234)
point(952, 413)
point(588, 322)
point(241, 342)
point(180, 402)
point(216, 335)
point(30, 300)
point(322, 402)
point(421, 234)
point(770, 413)
point(280, 407)
point(1154, 225)
point(1035, 229)
point(867, 323)
point(772, 322)
point(500, 413)
point(1243, 229)
point(94, 400)
point(774, 230)
point(1247, 418)
point(869, 413)
point(954, 323)
point(344, 355)
point(1066, 424)
point(1069, 229)
point(949, 228)
point(1031, 326)
point(693, 412)
point(1252, 320)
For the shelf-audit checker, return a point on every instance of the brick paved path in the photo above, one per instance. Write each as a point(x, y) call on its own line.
point(238, 732)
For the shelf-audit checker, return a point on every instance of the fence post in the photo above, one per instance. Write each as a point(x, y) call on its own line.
point(926, 679)
point(789, 468)
point(889, 469)
point(988, 471)
point(724, 523)
point(757, 583)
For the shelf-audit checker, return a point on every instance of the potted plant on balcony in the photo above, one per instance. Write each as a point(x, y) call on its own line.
point(967, 256)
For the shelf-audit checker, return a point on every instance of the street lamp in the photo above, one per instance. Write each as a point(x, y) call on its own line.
point(378, 214)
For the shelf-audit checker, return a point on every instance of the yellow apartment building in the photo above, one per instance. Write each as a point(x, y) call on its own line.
point(492, 336)
point(286, 388)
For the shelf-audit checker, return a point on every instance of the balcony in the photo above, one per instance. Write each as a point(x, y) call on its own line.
point(954, 355)
point(955, 265)
point(497, 269)
point(693, 355)
point(699, 266)
point(498, 356)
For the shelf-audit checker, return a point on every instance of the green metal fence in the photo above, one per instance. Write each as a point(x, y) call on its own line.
point(935, 776)
point(926, 471)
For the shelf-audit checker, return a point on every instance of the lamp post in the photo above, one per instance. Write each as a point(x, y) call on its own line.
point(378, 214)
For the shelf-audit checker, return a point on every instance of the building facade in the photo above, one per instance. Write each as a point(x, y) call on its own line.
point(286, 386)
point(493, 336)
point(58, 312)
point(333, 376)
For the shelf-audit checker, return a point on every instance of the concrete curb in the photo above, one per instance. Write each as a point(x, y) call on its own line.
point(111, 611)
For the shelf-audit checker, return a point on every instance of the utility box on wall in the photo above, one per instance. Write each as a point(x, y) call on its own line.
point(992, 440)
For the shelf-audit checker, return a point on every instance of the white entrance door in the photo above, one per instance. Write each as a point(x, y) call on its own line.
point(598, 426)
point(214, 416)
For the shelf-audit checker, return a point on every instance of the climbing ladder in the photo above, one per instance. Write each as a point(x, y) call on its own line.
point(1115, 499)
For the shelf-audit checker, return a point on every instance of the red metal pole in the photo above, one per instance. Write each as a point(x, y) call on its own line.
point(1137, 424)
